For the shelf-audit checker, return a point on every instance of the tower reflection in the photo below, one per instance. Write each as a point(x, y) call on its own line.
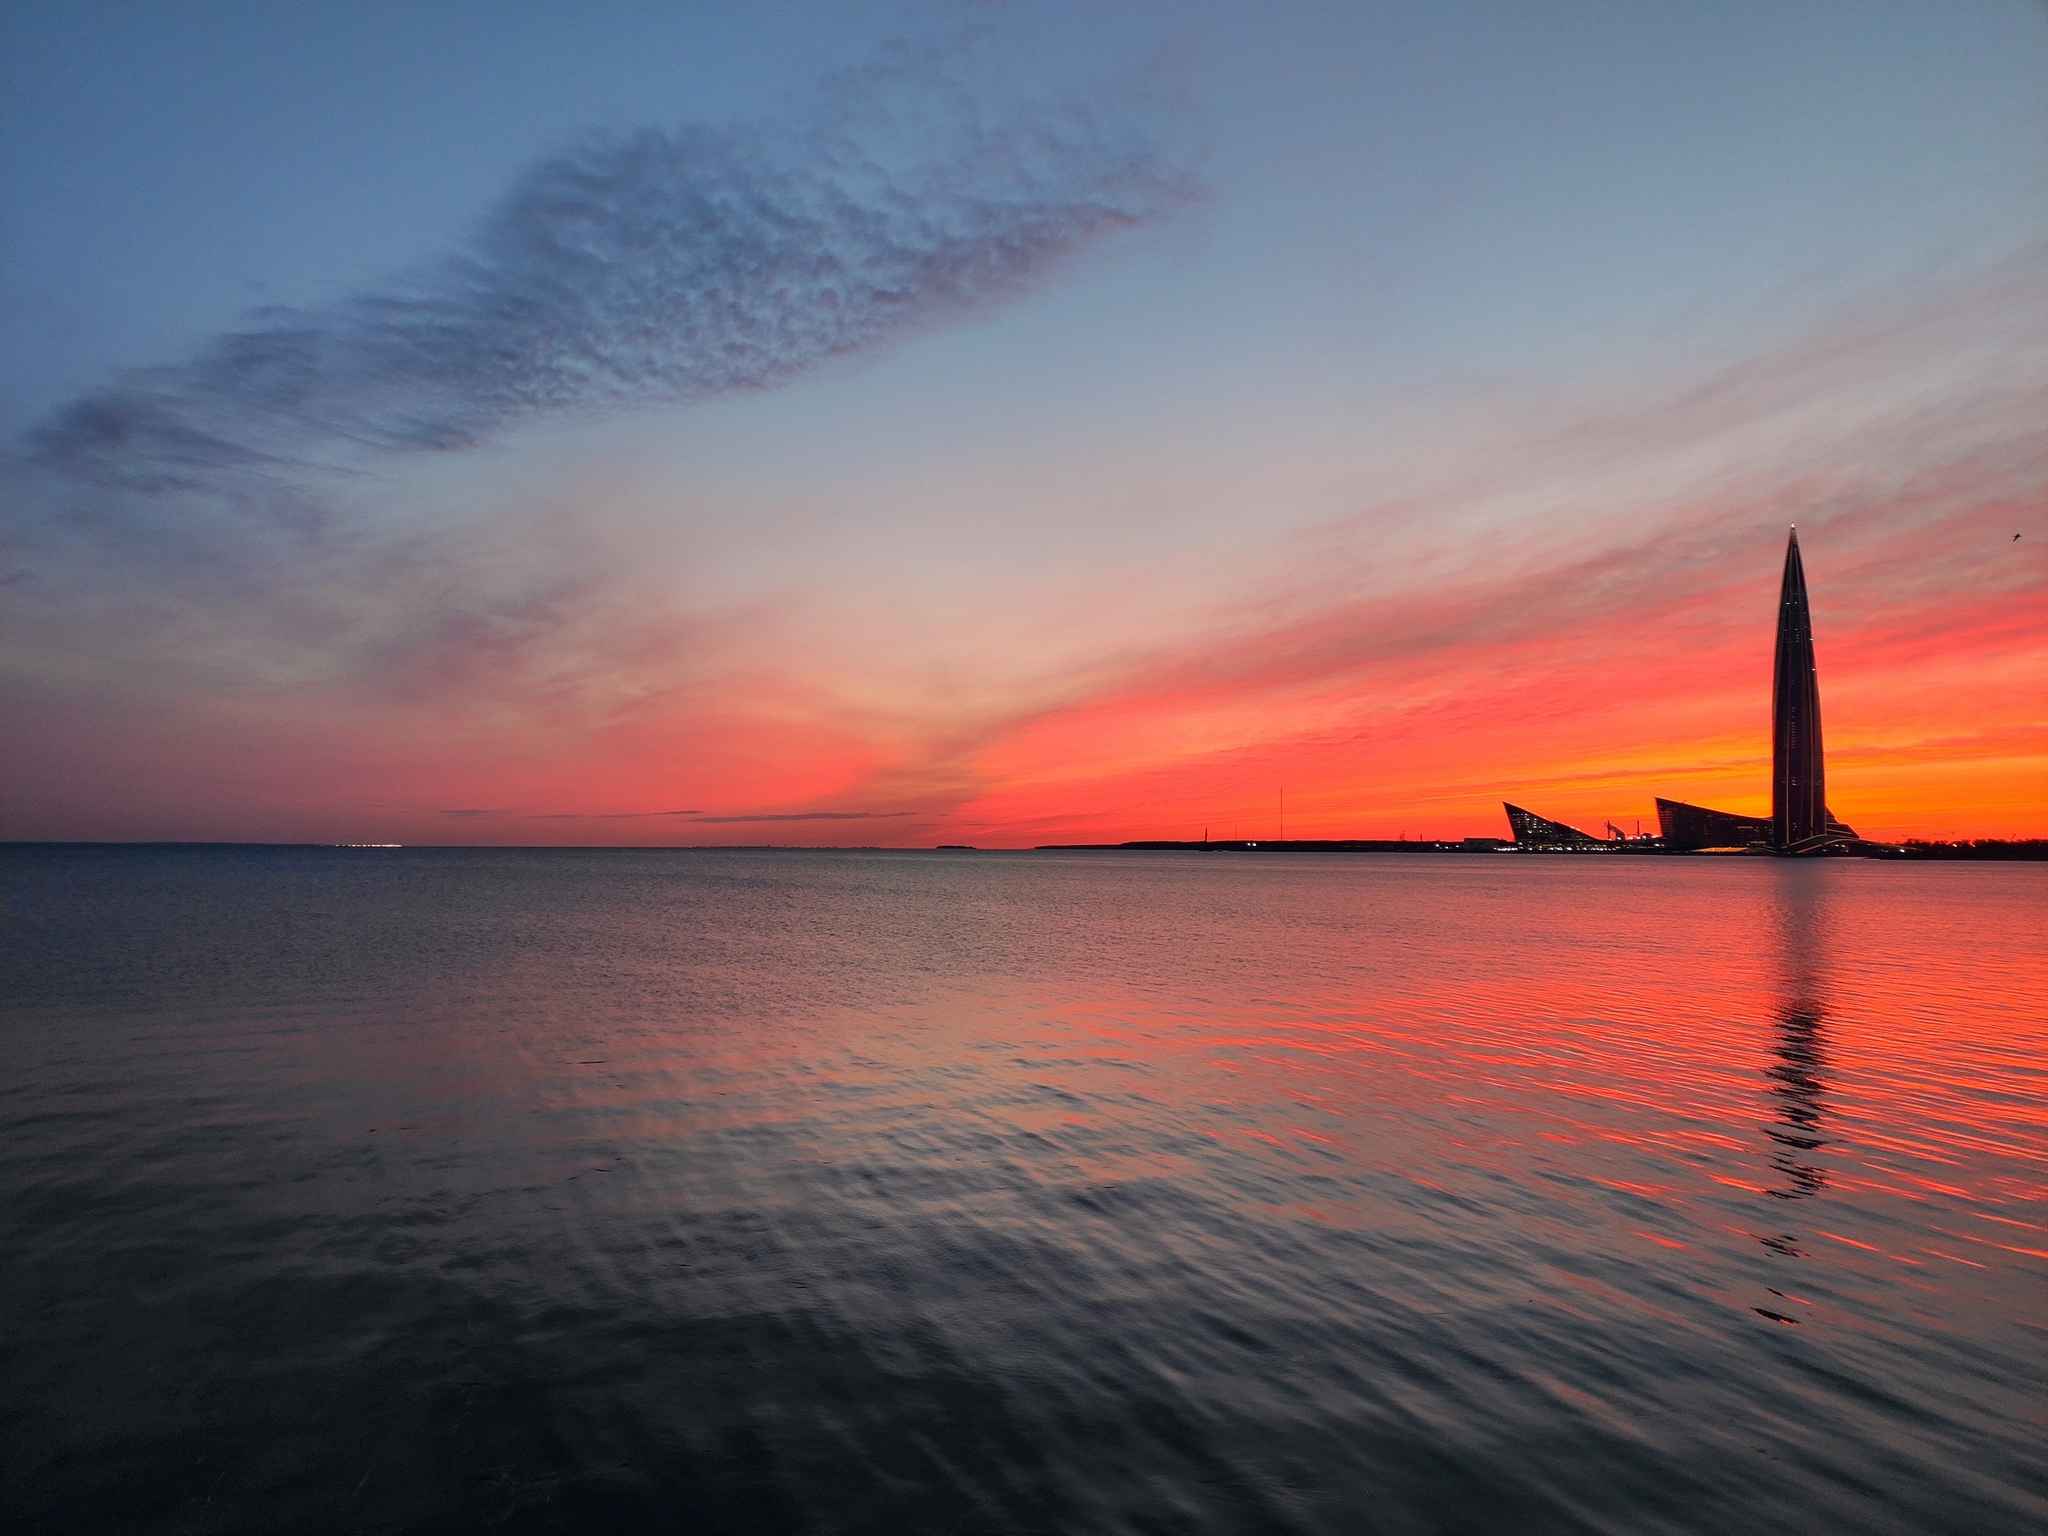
point(1796, 1076)
point(1796, 1087)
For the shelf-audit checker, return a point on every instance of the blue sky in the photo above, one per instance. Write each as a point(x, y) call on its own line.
point(1461, 189)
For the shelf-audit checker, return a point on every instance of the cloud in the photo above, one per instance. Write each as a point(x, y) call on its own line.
point(814, 816)
point(607, 815)
point(656, 267)
point(697, 816)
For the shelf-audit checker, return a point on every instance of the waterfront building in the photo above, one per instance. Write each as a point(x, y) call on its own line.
point(1692, 827)
point(1533, 831)
point(1696, 826)
point(1800, 821)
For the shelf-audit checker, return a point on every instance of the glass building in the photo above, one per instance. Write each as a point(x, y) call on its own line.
point(1695, 826)
point(1800, 819)
point(1533, 831)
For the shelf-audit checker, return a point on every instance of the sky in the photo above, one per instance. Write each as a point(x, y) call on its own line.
point(671, 424)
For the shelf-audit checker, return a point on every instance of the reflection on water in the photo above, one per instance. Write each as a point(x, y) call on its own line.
point(897, 1192)
point(1794, 1076)
point(1796, 1086)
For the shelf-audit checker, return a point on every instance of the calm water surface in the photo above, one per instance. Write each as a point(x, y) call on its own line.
point(931, 1192)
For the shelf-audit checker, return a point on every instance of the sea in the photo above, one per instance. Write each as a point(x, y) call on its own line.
point(808, 1191)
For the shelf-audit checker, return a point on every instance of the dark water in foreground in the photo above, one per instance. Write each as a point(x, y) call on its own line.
point(916, 1192)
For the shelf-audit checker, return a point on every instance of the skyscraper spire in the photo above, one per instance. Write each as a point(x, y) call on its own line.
point(1799, 814)
point(1801, 822)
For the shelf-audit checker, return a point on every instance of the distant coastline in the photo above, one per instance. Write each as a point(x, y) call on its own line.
point(1983, 849)
point(1979, 850)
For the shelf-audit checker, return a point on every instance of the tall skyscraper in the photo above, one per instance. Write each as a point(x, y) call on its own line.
point(1799, 812)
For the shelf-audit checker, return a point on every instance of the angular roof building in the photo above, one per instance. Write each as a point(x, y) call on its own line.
point(1533, 831)
point(1692, 827)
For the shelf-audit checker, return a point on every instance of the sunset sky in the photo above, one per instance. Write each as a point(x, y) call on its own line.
point(663, 424)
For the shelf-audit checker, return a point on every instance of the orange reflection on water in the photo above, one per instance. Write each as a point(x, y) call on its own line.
point(1805, 1091)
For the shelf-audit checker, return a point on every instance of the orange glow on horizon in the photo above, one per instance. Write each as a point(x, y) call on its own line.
point(1582, 690)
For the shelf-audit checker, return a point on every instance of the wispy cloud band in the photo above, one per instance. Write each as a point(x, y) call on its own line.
point(651, 267)
point(465, 813)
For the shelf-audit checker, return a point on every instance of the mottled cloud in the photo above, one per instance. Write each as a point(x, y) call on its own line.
point(607, 815)
point(816, 816)
point(661, 266)
point(697, 816)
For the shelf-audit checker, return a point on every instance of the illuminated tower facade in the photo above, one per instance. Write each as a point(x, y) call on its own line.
point(1799, 813)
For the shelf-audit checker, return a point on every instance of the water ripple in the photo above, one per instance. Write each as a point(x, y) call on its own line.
point(836, 1192)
